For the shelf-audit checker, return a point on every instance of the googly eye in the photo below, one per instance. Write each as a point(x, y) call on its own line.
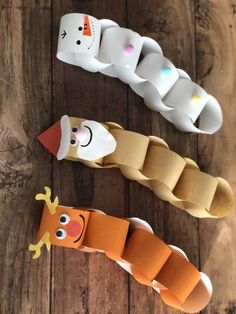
point(64, 219)
point(80, 28)
point(73, 142)
point(60, 234)
point(74, 129)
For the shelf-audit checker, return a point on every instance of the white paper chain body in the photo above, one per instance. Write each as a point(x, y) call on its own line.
point(103, 46)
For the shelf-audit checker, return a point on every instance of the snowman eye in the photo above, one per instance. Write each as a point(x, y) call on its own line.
point(60, 234)
point(74, 129)
point(80, 28)
point(64, 219)
point(63, 34)
point(73, 142)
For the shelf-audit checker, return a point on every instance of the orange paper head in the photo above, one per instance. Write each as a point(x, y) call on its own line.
point(66, 227)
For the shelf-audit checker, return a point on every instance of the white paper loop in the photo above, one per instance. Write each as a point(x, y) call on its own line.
point(103, 46)
point(121, 47)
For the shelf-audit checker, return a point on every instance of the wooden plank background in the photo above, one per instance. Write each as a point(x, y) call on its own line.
point(36, 89)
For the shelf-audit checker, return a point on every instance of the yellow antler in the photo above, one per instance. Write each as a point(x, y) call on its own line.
point(37, 247)
point(47, 197)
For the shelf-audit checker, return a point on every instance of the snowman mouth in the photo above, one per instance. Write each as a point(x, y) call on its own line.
point(90, 136)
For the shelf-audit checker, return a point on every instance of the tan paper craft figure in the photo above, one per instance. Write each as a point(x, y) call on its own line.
point(146, 159)
point(132, 244)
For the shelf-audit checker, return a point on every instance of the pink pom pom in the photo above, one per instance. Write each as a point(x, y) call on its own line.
point(128, 49)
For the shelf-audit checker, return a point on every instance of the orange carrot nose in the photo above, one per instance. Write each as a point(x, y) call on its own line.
point(73, 228)
point(87, 28)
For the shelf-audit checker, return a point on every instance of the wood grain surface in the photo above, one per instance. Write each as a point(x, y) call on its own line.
point(36, 89)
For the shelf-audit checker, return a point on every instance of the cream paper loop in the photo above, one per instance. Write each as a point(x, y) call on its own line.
point(103, 46)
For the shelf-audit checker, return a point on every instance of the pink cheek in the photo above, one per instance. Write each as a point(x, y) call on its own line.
point(81, 135)
point(73, 228)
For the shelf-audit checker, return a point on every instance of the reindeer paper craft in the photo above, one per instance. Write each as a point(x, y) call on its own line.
point(146, 159)
point(129, 242)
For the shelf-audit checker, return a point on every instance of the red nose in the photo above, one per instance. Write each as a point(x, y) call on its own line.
point(73, 228)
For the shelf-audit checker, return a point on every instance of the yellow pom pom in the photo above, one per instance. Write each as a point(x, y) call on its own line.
point(195, 100)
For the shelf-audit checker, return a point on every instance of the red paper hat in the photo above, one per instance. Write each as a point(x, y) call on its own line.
point(57, 138)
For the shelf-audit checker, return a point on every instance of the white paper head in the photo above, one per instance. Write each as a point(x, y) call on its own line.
point(78, 34)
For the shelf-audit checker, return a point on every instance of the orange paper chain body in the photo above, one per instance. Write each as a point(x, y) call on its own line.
point(132, 244)
point(146, 159)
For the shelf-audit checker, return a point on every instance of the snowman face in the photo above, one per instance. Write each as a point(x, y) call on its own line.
point(89, 140)
point(78, 33)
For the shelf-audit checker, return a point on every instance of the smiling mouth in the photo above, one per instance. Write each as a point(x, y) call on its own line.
point(82, 229)
point(91, 136)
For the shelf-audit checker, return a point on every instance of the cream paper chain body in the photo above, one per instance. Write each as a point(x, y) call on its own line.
point(145, 159)
point(103, 46)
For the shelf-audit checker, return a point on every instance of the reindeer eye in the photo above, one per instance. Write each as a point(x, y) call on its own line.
point(64, 219)
point(73, 142)
point(60, 234)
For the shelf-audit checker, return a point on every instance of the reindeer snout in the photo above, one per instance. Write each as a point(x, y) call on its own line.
point(73, 228)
